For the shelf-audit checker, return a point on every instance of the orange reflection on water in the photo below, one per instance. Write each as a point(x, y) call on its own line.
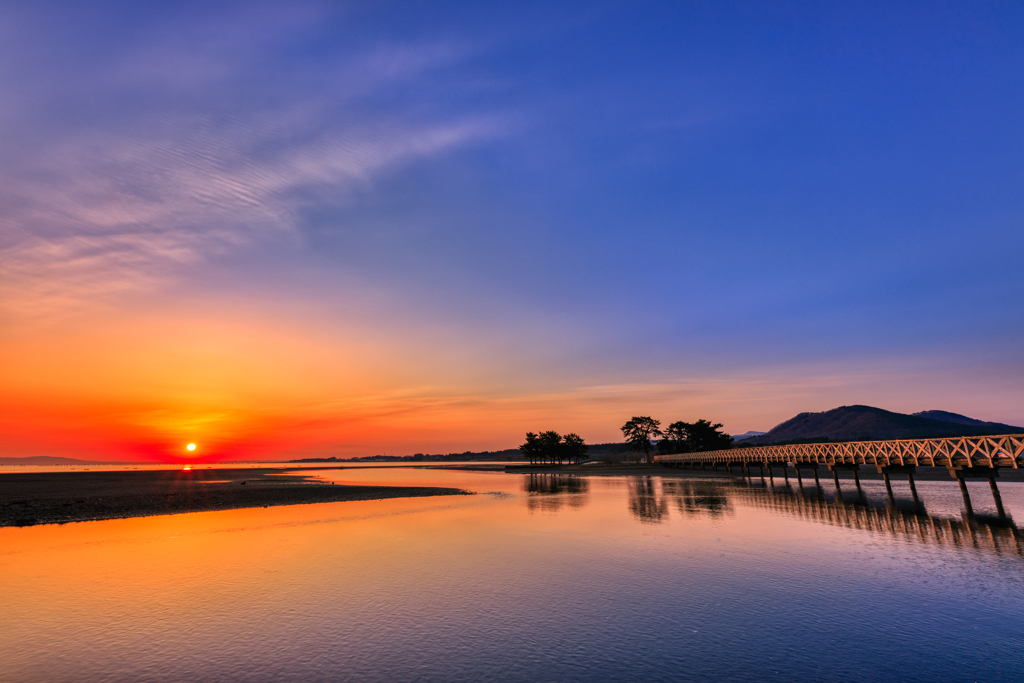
point(270, 589)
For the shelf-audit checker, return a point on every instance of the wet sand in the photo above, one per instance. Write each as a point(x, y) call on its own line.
point(60, 497)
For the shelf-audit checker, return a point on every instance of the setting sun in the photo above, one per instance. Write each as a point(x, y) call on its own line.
point(191, 447)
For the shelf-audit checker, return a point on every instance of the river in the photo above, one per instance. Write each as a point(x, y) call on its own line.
point(535, 578)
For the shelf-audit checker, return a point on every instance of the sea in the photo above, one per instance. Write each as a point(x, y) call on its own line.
point(536, 577)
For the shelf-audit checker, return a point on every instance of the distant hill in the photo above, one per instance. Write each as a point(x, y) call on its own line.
point(746, 435)
point(944, 416)
point(864, 423)
point(50, 460)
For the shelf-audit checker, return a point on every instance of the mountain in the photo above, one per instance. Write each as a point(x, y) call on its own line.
point(944, 416)
point(746, 435)
point(864, 423)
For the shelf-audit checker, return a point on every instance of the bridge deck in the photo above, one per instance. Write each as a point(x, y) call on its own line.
point(953, 453)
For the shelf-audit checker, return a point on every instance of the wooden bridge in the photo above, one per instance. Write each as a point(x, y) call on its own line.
point(966, 457)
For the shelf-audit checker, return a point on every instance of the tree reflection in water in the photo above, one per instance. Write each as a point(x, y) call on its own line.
point(549, 492)
point(649, 498)
point(644, 501)
point(697, 498)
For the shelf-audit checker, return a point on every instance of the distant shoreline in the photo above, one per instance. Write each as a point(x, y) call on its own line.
point(31, 498)
point(923, 473)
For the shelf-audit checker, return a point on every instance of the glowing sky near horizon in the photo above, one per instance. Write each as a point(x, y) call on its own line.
point(353, 228)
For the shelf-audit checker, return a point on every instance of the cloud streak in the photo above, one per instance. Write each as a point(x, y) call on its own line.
point(124, 203)
point(122, 214)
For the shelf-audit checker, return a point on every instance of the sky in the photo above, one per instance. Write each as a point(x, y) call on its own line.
point(308, 229)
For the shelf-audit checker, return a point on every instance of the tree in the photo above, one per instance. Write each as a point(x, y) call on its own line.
point(574, 448)
point(639, 431)
point(552, 447)
point(705, 437)
point(531, 450)
point(677, 439)
point(691, 437)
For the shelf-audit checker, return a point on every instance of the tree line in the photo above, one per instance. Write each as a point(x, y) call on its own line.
point(643, 434)
point(552, 447)
point(679, 437)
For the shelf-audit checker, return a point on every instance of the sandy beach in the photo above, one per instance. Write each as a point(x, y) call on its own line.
point(60, 497)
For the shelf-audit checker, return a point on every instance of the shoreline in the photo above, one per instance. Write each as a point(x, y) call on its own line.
point(923, 473)
point(32, 498)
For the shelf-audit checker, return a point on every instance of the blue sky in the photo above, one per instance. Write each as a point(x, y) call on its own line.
point(527, 200)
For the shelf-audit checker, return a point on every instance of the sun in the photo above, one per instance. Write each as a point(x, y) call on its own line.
point(191, 446)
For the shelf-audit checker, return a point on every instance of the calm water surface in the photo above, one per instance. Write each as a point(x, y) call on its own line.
point(537, 578)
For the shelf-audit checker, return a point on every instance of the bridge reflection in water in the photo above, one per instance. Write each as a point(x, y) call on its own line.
point(650, 503)
point(911, 522)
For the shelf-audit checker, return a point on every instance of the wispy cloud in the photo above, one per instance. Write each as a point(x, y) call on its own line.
point(123, 205)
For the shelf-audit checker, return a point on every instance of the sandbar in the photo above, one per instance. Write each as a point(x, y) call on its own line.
point(29, 498)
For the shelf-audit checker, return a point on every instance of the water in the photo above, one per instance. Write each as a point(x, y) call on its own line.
point(543, 578)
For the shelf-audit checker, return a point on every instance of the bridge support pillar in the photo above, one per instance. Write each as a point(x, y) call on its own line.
point(990, 473)
point(967, 496)
point(850, 467)
point(886, 470)
point(837, 467)
point(813, 466)
point(913, 489)
point(998, 498)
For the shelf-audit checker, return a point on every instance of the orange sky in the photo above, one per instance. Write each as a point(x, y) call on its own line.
point(246, 382)
point(333, 230)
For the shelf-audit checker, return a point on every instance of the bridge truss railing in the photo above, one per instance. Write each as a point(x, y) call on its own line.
point(953, 453)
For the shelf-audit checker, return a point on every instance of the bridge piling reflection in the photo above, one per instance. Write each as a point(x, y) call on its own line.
point(650, 500)
point(997, 534)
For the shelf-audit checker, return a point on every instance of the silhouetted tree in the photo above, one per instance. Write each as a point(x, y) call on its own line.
point(574, 448)
point(639, 431)
point(691, 437)
point(706, 437)
point(552, 447)
point(531, 450)
point(677, 439)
